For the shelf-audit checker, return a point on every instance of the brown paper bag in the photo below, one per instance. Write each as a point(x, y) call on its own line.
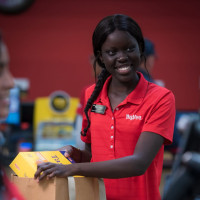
point(54, 189)
point(71, 188)
point(86, 188)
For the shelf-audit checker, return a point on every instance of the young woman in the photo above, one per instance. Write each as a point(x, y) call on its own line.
point(8, 190)
point(127, 119)
point(6, 80)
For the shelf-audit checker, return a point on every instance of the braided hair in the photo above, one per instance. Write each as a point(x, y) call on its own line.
point(104, 28)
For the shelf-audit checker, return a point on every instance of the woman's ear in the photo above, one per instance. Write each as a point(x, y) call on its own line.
point(100, 56)
point(100, 60)
point(142, 58)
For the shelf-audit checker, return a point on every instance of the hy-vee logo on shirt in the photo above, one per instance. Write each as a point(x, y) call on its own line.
point(133, 117)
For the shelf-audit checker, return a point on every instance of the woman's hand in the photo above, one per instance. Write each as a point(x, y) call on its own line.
point(51, 170)
point(72, 152)
point(76, 154)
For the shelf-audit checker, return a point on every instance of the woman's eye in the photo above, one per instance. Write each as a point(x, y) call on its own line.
point(131, 49)
point(111, 52)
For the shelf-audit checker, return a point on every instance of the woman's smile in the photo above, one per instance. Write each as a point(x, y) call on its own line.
point(123, 69)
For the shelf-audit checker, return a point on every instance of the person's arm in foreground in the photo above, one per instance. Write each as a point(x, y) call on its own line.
point(146, 149)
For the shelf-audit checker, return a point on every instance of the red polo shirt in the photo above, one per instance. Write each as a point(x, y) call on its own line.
point(112, 135)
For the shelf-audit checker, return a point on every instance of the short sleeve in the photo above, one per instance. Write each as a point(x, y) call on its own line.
point(162, 117)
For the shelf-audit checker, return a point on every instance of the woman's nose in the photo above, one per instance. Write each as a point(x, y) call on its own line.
point(122, 56)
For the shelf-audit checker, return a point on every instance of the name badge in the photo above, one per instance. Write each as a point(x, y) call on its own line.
point(98, 109)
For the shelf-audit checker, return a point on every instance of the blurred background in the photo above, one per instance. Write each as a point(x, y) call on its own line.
point(50, 43)
point(50, 49)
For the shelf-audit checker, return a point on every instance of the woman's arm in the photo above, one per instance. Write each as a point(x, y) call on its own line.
point(146, 149)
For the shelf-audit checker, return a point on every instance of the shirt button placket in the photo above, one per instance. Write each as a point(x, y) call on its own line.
point(112, 134)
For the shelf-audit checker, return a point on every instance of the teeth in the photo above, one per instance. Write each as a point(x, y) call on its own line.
point(123, 68)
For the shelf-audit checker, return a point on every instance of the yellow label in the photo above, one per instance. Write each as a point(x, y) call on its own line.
point(25, 163)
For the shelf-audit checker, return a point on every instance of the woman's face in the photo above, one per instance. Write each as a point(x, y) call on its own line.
point(121, 55)
point(6, 82)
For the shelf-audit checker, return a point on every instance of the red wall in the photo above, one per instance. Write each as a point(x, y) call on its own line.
point(51, 43)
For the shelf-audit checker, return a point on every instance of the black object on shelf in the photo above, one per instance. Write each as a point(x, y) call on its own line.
point(27, 109)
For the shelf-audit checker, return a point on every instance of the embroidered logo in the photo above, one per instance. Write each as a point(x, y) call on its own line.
point(133, 117)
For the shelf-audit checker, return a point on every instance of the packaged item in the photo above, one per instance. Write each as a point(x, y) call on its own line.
point(71, 188)
point(25, 163)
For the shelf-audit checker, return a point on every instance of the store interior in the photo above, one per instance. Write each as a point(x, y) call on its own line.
point(50, 51)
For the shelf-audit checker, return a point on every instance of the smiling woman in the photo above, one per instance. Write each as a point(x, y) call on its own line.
point(126, 121)
point(7, 189)
point(6, 80)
